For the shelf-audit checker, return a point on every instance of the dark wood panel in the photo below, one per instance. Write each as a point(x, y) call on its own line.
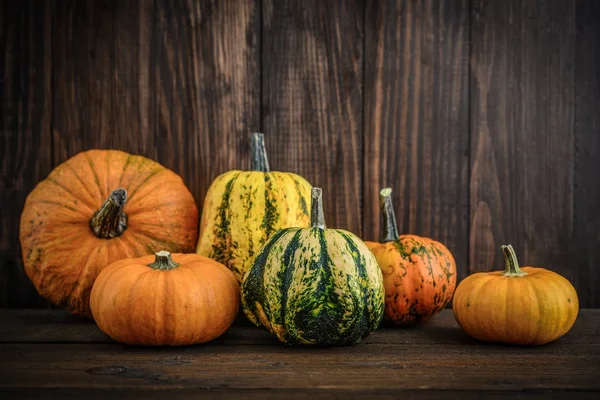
point(208, 87)
point(102, 77)
point(522, 117)
point(416, 119)
point(25, 129)
point(360, 367)
point(320, 393)
point(586, 260)
point(184, 83)
point(433, 360)
point(58, 326)
point(312, 67)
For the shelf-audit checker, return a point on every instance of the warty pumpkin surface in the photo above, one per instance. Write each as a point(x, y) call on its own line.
point(242, 209)
point(419, 273)
point(521, 306)
point(315, 286)
point(165, 299)
point(97, 207)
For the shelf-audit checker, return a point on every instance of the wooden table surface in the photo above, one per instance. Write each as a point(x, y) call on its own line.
point(49, 354)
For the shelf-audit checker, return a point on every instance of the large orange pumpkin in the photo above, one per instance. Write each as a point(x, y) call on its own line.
point(166, 299)
point(95, 208)
point(419, 273)
point(526, 306)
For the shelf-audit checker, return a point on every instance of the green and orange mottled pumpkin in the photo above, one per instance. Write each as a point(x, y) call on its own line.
point(97, 207)
point(242, 209)
point(419, 273)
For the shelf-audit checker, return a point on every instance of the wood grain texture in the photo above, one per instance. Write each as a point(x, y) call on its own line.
point(263, 394)
point(586, 258)
point(58, 326)
point(370, 366)
point(480, 114)
point(102, 69)
point(25, 130)
point(522, 116)
point(50, 354)
point(275, 367)
point(208, 86)
point(312, 60)
point(436, 356)
point(416, 119)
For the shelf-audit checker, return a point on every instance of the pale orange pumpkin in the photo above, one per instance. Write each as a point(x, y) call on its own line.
point(527, 306)
point(165, 299)
point(97, 207)
point(419, 273)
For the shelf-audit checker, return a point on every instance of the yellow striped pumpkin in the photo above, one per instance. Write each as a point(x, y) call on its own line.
point(243, 209)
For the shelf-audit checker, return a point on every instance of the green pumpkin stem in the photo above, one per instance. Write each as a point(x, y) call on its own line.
point(258, 153)
point(163, 261)
point(317, 217)
point(110, 220)
point(389, 230)
point(511, 268)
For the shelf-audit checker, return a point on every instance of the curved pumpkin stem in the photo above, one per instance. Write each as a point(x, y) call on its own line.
point(163, 261)
point(258, 153)
point(511, 268)
point(317, 217)
point(389, 230)
point(110, 220)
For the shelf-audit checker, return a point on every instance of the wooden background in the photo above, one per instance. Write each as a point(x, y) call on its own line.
point(483, 116)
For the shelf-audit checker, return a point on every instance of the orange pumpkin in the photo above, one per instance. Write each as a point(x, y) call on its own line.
point(419, 273)
point(95, 208)
point(526, 306)
point(166, 299)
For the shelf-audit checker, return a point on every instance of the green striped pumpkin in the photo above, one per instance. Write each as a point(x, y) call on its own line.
point(315, 286)
point(242, 209)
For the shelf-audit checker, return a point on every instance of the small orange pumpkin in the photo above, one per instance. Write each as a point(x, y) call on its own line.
point(526, 306)
point(97, 207)
point(419, 273)
point(165, 299)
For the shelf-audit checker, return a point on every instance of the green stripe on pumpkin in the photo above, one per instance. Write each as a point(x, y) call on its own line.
point(302, 295)
point(222, 246)
point(271, 218)
point(302, 201)
point(287, 274)
point(254, 282)
point(368, 318)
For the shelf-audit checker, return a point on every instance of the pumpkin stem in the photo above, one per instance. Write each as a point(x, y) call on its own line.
point(163, 261)
point(110, 220)
point(511, 268)
point(389, 230)
point(317, 217)
point(258, 156)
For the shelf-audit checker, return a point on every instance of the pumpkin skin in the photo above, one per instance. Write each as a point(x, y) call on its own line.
point(314, 286)
point(165, 299)
point(521, 306)
point(242, 209)
point(97, 207)
point(419, 273)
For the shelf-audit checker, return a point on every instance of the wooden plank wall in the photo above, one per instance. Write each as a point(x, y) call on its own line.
point(480, 114)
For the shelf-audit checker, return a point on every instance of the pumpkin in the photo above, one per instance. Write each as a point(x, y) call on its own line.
point(419, 273)
point(522, 306)
point(97, 207)
point(242, 209)
point(165, 299)
point(314, 286)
